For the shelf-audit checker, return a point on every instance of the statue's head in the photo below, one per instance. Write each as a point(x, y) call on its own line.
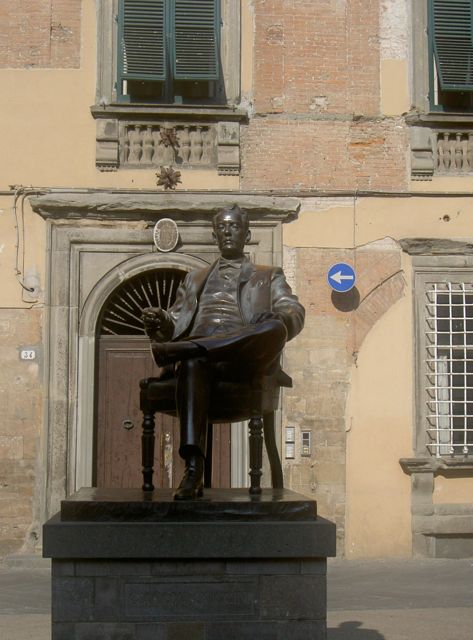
point(231, 231)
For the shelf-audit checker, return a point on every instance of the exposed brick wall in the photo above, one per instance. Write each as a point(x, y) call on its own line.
point(40, 33)
point(20, 426)
point(316, 120)
point(283, 153)
point(363, 56)
point(316, 57)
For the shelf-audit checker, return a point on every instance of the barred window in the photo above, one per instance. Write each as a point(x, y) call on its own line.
point(449, 368)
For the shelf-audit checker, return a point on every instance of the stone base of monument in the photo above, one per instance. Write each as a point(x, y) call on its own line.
point(129, 566)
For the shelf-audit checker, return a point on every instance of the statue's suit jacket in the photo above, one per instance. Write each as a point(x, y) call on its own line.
point(260, 288)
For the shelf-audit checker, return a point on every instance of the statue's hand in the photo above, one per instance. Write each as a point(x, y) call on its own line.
point(157, 324)
point(266, 315)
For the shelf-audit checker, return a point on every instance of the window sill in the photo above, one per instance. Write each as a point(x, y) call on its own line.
point(439, 119)
point(435, 465)
point(181, 112)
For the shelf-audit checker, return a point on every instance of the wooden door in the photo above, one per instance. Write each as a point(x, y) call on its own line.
point(122, 362)
point(124, 358)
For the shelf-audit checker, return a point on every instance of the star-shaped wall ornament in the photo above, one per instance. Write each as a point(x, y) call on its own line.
point(168, 178)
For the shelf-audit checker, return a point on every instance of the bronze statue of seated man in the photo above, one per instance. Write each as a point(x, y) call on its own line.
point(230, 321)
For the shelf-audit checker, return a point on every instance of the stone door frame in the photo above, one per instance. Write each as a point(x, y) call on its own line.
point(94, 241)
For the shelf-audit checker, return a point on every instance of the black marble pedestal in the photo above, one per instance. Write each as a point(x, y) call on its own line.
point(238, 568)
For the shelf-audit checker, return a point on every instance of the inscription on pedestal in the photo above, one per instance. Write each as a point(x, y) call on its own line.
point(207, 599)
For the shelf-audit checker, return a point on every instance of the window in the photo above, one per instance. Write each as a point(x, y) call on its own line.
point(169, 51)
point(443, 287)
point(449, 367)
point(168, 67)
point(443, 339)
point(441, 121)
point(450, 40)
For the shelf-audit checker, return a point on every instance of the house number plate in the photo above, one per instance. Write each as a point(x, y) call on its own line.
point(28, 354)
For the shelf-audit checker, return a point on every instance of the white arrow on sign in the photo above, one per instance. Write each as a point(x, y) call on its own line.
point(338, 277)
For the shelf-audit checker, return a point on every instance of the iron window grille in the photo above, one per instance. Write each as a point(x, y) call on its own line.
point(449, 368)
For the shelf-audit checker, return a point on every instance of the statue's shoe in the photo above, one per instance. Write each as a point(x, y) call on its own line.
point(191, 485)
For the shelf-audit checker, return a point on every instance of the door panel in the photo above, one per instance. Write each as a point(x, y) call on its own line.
point(123, 361)
point(221, 451)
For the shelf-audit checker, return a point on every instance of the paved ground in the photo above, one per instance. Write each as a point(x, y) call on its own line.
point(367, 600)
point(400, 600)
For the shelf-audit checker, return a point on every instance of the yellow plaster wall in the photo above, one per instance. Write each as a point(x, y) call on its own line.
point(322, 224)
point(50, 132)
point(395, 98)
point(413, 217)
point(247, 40)
point(380, 406)
point(354, 222)
point(379, 424)
point(444, 185)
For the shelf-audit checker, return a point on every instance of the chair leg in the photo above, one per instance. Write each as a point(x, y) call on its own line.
point(147, 450)
point(208, 457)
point(256, 454)
point(273, 453)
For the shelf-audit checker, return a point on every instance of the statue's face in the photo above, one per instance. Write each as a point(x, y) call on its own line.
point(231, 234)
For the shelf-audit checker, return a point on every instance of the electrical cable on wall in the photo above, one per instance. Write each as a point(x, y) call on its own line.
point(20, 194)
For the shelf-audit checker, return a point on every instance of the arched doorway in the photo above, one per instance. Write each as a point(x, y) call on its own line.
point(123, 358)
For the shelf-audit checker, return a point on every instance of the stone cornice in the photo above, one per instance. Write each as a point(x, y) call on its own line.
point(435, 246)
point(435, 465)
point(126, 205)
point(440, 119)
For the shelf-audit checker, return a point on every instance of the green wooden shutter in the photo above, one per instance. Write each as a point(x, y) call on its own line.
point(141, 40)
point(196, 28)
point(451, 27)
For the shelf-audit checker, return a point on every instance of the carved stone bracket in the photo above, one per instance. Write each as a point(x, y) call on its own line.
point(422, 157)
point(107, 147)
point(228, 148)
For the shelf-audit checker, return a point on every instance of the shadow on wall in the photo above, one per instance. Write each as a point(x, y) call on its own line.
point(351, 631)
point(349, 301)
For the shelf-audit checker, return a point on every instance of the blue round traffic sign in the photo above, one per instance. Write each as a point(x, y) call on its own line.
point(341, 277)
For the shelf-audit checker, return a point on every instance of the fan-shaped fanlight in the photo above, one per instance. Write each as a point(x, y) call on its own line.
point(122, 312)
